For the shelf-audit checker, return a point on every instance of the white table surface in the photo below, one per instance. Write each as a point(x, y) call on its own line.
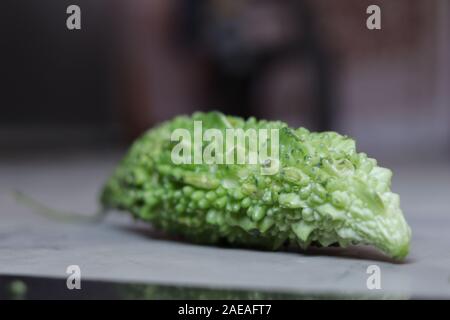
point(120, 249)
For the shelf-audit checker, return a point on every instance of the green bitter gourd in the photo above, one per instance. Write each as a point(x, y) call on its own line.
point(324, 193)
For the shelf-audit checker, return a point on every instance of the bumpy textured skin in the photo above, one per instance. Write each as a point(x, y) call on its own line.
point(324, 193)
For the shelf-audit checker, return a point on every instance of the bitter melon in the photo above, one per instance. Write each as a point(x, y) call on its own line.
point(324, 192)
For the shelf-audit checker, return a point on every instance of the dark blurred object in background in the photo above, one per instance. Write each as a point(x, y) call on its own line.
point(246, 43)
point(199, 55)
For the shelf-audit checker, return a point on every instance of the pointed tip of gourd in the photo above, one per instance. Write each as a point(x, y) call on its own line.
point(400, 249)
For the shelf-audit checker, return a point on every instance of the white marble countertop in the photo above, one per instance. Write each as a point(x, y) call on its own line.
point(120, 249)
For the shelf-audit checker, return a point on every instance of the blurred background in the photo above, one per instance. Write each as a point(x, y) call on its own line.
point(310, 63)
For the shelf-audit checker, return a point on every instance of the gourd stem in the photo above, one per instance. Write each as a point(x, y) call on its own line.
point(55, 214)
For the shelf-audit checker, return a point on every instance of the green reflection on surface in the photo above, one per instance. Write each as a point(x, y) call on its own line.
point(19, 287)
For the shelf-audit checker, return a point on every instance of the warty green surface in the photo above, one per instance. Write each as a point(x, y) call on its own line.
point(324, 193)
